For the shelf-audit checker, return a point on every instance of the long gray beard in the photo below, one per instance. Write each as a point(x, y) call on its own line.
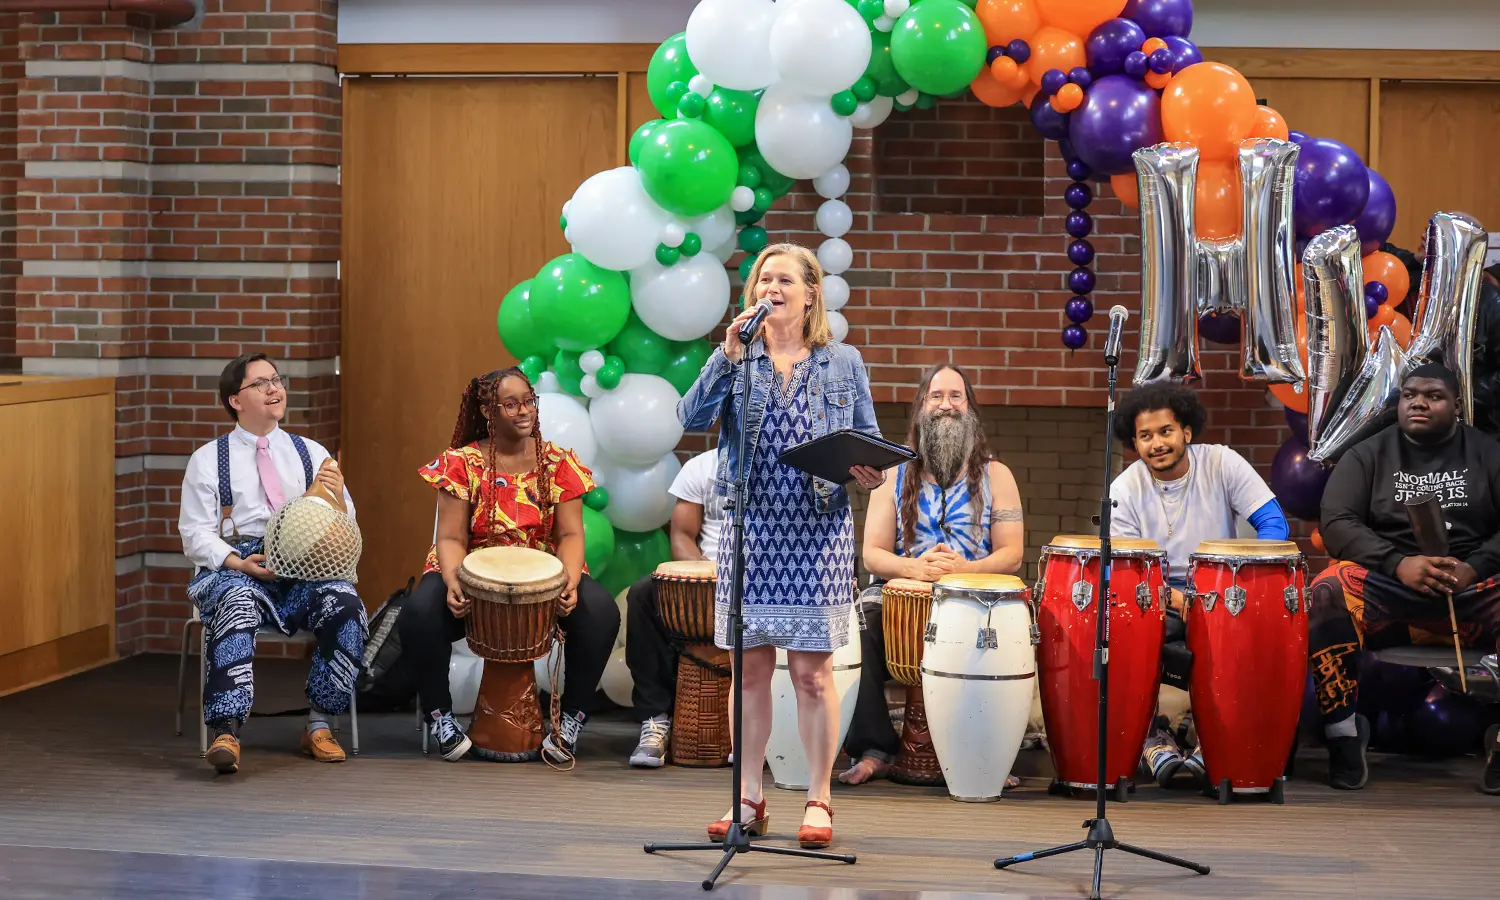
point(947, 440)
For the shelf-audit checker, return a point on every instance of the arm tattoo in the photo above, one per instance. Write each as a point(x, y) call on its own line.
point(1007, 515)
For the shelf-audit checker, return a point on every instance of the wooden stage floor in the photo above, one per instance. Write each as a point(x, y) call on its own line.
point(100, 800)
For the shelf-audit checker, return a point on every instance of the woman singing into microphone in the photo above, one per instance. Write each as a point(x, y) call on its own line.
point(799, 532)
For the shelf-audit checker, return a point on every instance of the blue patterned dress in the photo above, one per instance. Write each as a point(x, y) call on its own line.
point(799, 564)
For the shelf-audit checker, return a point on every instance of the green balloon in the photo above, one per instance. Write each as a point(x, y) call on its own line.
point(749, 175)
point(636, 555)
point(533, 367)
point(844, 103)
point(749, 216)
point(569, 373)
point(925, 100)
point(609, 374)
point(687, 361)
point(688, 168)
point(519, 331)
point(598, 542)
point(583, 305)
point(865, 89)
point(753, 239)
point(764, 197)
point(870, 9)
point(596, 499)
point(971, 4)
point(746, 265)
point(643, 351)
point(733, 114)
point(779, 184)
point(667, 256)
point(641, 137)
point(939, 46)
point(882, 68)
point(692, 244)
point(691, 106)
point(668, 64)
point(562, 223)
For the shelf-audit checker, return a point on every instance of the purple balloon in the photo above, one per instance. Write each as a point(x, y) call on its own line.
point(1376, 291)
point(1331, 187)
point(1080, 253)
point(1079, 224)
point(1079, 310)
point(1137, 64)
point(1297, 481)
point(1081, 280)
point(1075, 336)
point(1299, 245)
point(1053, 81)
point(1065, 147)
point(1378, 219)
point(1050, 123)
point(1184, 52)
point(1160, 61)
point(1078, 170)
point(1445, 724)
point(1161, 18)
point(1296, 137)
point(1297, 422)
point(1223, 329)
point(995, 53)
point(1018, 50)
point(1119, 116)
point(1110, 43)
point(1372, 306)
point(1080, 76)
point(1078, 196)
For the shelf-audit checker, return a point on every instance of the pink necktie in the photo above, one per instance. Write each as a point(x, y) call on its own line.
point(269, 480)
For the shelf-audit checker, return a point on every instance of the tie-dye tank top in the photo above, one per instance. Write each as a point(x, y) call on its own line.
point(945, 515)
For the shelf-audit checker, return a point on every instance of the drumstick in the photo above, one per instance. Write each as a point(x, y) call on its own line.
point(1425, 512)
point(1463, 681)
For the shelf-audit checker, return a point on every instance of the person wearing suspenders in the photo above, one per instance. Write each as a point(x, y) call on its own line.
point(231, 488)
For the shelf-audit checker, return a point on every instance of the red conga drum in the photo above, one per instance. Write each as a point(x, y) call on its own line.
point(1067, 617)
point(511, 623)
point(1247, 628)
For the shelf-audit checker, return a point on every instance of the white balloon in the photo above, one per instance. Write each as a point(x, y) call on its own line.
point(835, 292)
point(701, 85)
point(884, 23)
point(672, 234)
point(567, 204)
point(618, 684)
point(620, 603)
point(565, 422)
point(612, 221)
point(894, 8)
point(590, 386)
point(872, 114)
point(909, 97)
point(821, 46)
point(835, 256)
point(730, 42)
point(716, 227)
point(800, 135)
point(547, 383)
point(464, 671)
point(834, 218)
point(741, 199)
point(543, 669)
point(726, 250)
point(591, 361)
point(683, 301)
point(636, 423)
point(834, 183)
point(638, 498)
point(838, 324)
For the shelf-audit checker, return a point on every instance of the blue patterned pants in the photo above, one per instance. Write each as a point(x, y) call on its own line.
point(233, 605)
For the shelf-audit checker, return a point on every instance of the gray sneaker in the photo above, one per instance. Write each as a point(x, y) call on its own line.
point(651, 752)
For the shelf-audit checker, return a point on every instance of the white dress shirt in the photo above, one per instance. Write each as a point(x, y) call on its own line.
point(199, 521)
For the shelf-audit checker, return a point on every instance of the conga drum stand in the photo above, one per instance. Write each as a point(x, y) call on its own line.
point(737, 840)
point(1101, 836)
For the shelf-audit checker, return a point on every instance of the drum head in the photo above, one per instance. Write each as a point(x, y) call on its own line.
point(689, 569)
point(982, 582)
point(1091, 542)
point(908, 586)
point(510, 565)
point(1250, 548)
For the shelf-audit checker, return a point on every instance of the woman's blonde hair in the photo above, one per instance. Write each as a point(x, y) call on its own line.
point(815, 329)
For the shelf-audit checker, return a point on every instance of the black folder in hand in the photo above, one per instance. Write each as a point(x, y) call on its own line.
point(829, 457)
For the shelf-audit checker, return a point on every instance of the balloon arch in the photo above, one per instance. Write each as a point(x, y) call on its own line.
point(756, 95)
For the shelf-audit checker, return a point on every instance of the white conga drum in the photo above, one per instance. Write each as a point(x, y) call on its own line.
point(784, 752)
point(978, 674)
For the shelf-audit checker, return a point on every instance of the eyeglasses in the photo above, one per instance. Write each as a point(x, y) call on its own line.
point(264, 385)
point(512, 407)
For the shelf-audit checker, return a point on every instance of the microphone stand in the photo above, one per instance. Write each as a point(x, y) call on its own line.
point(738, 840)
point(1101, 836)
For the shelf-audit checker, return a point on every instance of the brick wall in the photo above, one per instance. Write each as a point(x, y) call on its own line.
point(11, 170)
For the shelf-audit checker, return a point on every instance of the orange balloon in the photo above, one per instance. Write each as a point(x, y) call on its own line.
point(1003, 69)
point(1269, 124)
point(1028, 94)
point(1316, 539)
point(1289, 397)
point(1006, 20)
point(1152, 45)
point(992, 92)
point(1053, 48)
point(1127, 189)
point(1211, 105)
point(1399, 325)
point(1389, 271)
point(1079, 16)
point(1067, 99)
point(1021, 78)
point(1158, 80)
point(1218, 200)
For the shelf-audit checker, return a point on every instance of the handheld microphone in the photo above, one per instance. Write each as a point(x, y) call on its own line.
point(747, 330)
point(1117, 316)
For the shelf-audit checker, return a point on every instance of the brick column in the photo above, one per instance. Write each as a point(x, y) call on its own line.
point(11, 170)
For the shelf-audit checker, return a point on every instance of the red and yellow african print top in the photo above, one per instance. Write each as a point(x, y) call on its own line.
point(508, 512)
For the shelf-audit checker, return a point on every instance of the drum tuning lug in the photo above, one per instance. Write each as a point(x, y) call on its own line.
point(1036, 634)
point(1290, 595)
point(1164, 595)
point(1209, 599)
point(1083, 595)
point(1234, 599)
point(1143, 596)
point(930, 635)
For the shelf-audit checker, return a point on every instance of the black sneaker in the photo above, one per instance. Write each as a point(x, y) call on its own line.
point(1347, 768)
point(1161, 757)
point(452, 743)
point(1195, 769)
point(1489, 779)
point(559, 747)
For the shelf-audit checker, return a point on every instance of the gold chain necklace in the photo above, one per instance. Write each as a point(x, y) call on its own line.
point(1161, 498)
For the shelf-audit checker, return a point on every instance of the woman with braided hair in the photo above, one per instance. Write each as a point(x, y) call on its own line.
point(501, 484)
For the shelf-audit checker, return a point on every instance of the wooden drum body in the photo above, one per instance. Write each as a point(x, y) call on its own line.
point(905, 605)
point(1247, 628)
point(511, 622)
point(1067, 619)
point(978, 673)
point(685, 597)
point(701, 737)
point(784, 752)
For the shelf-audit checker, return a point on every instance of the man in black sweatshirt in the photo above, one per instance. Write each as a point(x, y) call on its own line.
point(1383, 592)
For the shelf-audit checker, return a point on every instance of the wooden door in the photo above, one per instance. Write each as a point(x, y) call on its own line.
point(452, 188)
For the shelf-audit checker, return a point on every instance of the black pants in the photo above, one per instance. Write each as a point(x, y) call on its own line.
point(870, 731)
point(649, 652)
point(428, 629)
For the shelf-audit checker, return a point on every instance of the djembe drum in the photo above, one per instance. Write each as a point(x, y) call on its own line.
point(700, 717)
point(511, 623)
point(905, 606)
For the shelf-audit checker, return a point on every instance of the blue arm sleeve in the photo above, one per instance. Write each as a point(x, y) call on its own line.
point(1270, 522)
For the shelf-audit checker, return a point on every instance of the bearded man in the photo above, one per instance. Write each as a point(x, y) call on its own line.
point(954, 509)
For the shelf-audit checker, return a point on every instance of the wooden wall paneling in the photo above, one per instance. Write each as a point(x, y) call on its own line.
point(1337, 108)
point(452, 190)
point(1437, 150)
point(638, 106)
point(1293, 62)
point(493, 59)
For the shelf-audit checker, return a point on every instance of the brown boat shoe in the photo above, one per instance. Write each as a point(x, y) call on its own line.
point(321, 746)
point(224, 754)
